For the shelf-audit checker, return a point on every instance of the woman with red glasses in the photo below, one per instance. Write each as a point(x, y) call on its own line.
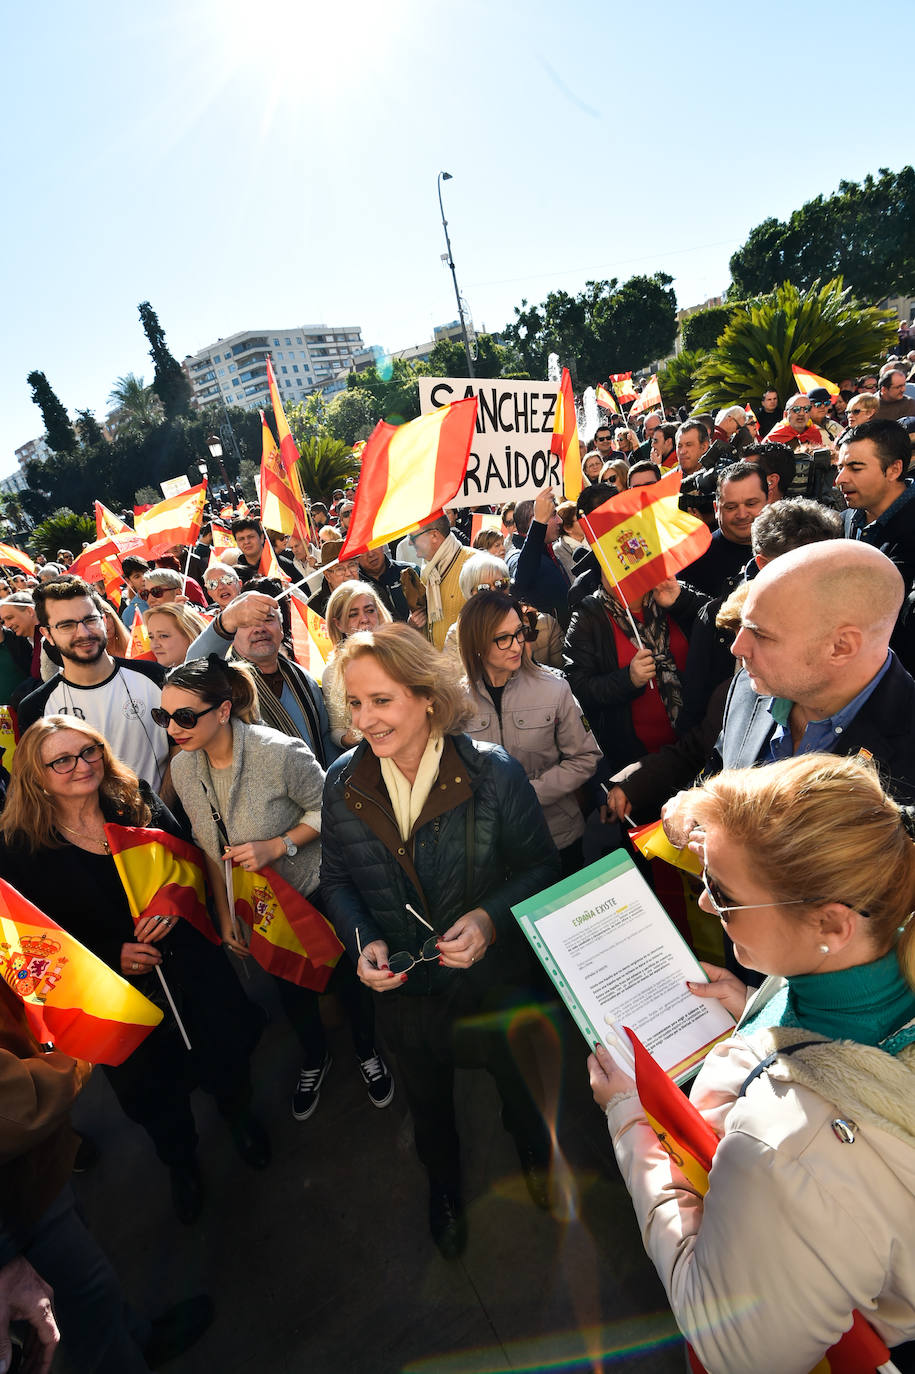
point(810, 1210)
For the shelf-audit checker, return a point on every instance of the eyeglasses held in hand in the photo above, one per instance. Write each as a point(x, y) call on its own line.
point(184, 716)
point(67, 762)
point(403, 962)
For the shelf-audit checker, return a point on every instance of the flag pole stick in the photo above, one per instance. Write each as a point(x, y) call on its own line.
point(294, 586)
point(171, 1003)
point(604, 562)
point(230, 894)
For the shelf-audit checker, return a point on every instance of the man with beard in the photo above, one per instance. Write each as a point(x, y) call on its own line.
point(115, 695)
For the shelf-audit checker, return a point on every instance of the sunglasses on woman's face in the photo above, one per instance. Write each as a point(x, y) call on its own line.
point(153, 593)
point(184, 716)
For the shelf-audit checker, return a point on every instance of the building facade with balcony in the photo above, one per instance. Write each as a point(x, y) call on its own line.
point(305, 358)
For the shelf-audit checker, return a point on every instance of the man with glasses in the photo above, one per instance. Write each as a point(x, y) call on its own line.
point(894, 403)
point(797, 428)
point(820, 400)
point(116, 695)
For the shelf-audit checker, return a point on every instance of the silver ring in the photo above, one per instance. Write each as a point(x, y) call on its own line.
point(135, 964)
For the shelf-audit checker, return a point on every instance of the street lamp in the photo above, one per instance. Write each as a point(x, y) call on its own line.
point(214, 444)
point(446, 176)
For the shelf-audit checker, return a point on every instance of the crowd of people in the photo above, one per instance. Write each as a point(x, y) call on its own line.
point(491, 715)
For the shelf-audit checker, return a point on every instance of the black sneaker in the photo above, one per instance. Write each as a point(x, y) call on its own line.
point(377, 1078)
point(308, 1090)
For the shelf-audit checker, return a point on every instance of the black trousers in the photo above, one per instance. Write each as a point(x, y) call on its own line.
point(431, 1036)
point(154, 1085)
point(302, 1007)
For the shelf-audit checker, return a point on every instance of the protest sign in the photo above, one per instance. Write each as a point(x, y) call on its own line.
point(172, 486)
point(510, 458)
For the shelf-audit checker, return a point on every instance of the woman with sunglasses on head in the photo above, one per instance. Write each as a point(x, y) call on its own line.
point(531, 712)
point(351, 607)
point(428, 839)
point(253, 795)
point(810, 1209)
point(485, 573)
point(65, 785)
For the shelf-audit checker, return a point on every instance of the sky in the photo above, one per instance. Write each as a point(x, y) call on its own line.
point(245, 165)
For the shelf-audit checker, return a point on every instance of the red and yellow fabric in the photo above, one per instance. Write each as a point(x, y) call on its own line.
point(691, 1144)
point(107, 523)
point(808, 381)
point(71, 998)
point(89, 563)
point(289, 455)
point(281, 508)
point(651, 841)
point(607, 401)
point(622, 385)
point(7, 737)
point(112, 577)
point(311, 644)
point(641, 536)
point(483, 520)
point(161, 874)
point(409, 473)
point(650, 397)
point(269, 566)
point(139, 646)
point(222, 540)
point(12, 557)
point(289, 937)
point(174, 521)
point(565, 438)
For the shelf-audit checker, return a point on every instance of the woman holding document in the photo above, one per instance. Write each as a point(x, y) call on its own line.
point(428, 840)
point(810, 1209)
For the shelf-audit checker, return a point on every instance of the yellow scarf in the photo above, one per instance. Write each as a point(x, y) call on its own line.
point(408, 801)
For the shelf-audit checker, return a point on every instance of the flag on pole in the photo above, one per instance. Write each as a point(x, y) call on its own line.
point(176, 520)
point(71, 998)
point(107, 523)
point(409, 473)
point(691, 1144)
point(289, 936)
point(139, 646)
point(112, 577)
point(288, 450)
point(606, 400)
point(89, 563)
point(311, 645)
point(622, 386)
point(641, 536)
point(281, 508)
point(650, 397)
point(565, 438)
point(161, 874)
point(12, 557)
point(651, 841)
point(269, 565)
point(807, 381)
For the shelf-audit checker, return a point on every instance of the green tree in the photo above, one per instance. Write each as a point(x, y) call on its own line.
point(305, 418)
point(349, 417)
point(391, 385)
point(678, 375)
point(88, 428)
point(864, 232)
point(60, 433)
point(490, 358)
point(704, 328)
point(140, 406)
point(64, 529)
point(606, 328)
point(169, 383)
point(824, 328)
point(325, 464)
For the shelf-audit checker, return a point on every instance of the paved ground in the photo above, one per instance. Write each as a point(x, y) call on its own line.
point(323, 1262)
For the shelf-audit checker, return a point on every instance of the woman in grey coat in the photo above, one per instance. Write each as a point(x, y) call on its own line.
point(253, 795)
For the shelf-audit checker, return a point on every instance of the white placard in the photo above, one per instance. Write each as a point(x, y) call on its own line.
point(510, 458)
point(173, 486)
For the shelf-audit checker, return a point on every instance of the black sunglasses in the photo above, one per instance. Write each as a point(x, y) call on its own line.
point(184, 716)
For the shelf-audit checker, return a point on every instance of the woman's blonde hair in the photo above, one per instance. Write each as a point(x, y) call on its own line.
point(821, 828)
point(620, 469)
point(403, 653)
point(189, 622)
point(626, 440)
point(338, 607)
point(28, 816)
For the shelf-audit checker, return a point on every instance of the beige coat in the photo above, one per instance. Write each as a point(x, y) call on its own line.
point(543, 727)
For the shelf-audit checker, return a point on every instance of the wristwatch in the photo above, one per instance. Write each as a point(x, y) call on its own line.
point(291, 849)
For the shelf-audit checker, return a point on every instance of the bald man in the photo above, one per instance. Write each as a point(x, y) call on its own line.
point(818, 674)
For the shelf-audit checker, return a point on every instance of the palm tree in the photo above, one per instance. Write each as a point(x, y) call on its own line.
point(138, 404)
point(824, 329)
point(62, 530)
point(325, 464)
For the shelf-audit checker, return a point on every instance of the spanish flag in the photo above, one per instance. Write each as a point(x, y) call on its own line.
point(606, 400)
point(651, 841)
point(311, 643)
point(650, 397)
point(161, 874)
point(281, 509)
point(174, 521)
point(621, 383)
point(289, 455)
point(808, 381)
point(269, 565)
point(108, 524)
point(641, 536)
point(565, 438)
point(139, 646)
point(89, 563)
point(409, 473)
point(222, 540)
point(71, 998)
point(12, 557)
point(289, 936)
point(691, 1144)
